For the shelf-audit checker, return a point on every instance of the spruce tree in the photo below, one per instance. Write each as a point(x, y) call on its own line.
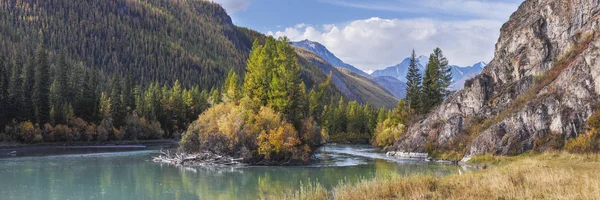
point(14, 90)
point(445, 72)
point(117, 110)
point(436, 80)
point(3, 93)
point(63, 87)
point(88, 104)
point(128, 86)
point(27, 86)
point(413, 90)
point(41, 88)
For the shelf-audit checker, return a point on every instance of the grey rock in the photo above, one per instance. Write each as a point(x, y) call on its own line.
point(535, 38)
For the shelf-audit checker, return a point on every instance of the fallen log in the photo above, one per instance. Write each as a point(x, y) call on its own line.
point(197, 159)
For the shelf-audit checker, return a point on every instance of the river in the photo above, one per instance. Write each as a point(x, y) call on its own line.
point(129, 173)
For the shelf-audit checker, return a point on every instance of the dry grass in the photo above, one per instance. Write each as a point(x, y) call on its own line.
point(541, 176)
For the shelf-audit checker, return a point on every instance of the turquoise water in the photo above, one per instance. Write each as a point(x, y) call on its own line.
point(129, 173)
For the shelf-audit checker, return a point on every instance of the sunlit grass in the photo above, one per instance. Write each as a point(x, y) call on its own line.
point(531, 176)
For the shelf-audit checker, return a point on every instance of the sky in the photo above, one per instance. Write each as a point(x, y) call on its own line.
point(375, 34)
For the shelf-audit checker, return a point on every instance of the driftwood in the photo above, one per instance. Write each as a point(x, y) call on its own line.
point(197, 159)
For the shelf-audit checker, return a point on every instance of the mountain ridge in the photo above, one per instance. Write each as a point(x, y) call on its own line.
point(459, 73)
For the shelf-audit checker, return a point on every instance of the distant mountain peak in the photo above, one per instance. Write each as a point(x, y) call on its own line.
point(322, 51)
point(459, 73)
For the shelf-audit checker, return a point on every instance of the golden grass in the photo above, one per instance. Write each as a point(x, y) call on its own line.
point(539, 176)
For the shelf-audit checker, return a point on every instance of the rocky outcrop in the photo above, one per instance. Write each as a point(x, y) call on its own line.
point(540, 88)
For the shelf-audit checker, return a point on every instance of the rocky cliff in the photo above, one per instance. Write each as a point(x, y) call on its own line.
point(540, 88)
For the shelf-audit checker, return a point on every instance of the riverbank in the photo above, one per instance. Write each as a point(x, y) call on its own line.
point(529, 176)
point(16, 145)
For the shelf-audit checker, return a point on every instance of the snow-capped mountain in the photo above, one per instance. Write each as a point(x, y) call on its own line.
point(326, 55)
point(459, 74)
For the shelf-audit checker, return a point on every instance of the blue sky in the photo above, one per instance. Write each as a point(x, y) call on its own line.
point(374, 34)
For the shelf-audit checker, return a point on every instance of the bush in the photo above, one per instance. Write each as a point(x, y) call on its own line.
point(228, 129)
point(387, 132)
point(584, 143)
point(217, 130)
point(28, 132)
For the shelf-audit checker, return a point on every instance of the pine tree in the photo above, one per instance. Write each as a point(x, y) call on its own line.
point(60, 90)
point(259, 72)
point(27, 86)
point(3, 93)
point(41, 88)
point(436, 80)
point(14, 90)
point(128, 86)
point(413, 90)
point(63, 88)
point(117, 110)
point(445, 72)
point(231, 91)
point(88, 105)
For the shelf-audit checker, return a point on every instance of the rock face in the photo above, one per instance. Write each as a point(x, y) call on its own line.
point(524, 106)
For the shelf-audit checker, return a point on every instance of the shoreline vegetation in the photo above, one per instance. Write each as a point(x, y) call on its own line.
point(16, 145)
point(556, 175)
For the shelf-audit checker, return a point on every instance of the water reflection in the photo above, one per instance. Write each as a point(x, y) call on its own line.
point(131, 175)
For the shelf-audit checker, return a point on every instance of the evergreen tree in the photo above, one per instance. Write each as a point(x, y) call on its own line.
point(3, 93)
point(60, 90)
point(231, 91)
point(88, 105)
point(27, 87)
point(128, 86)
point(14, 90)
point(117, 109)
point(413, 90)
point(41, 88)
point(436, 80)
point(445, 72)
point(285, 94)
point(63, 88)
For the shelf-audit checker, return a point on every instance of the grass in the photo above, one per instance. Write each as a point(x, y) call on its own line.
point(554, 175)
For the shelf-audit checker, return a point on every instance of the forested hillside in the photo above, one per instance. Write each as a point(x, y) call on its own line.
point(157, 40)
point(120, 70)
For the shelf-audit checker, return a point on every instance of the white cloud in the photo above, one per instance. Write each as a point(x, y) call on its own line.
point(480, 9)
point(376, 43)
point(233, 6)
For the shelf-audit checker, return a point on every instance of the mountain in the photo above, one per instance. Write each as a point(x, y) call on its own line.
point(393, 85)
point(399, 71)
point(538, 91)
point(352, 85)
point(326, 55)
point(459, 74)
point(157, 40)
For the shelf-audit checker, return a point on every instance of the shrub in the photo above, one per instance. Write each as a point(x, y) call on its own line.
point(63, 132)
point(89, 133)
point(584, 143)
point(232, 130)
point(48, 133)
point(28, 132)
point(217, 130)
point(387, 132)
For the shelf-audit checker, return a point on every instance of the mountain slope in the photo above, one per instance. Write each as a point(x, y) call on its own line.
point(393, 85)
point(459, 74)
point(326, 55)
point(352, 85)
point(538, 91)
point(193, 41)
